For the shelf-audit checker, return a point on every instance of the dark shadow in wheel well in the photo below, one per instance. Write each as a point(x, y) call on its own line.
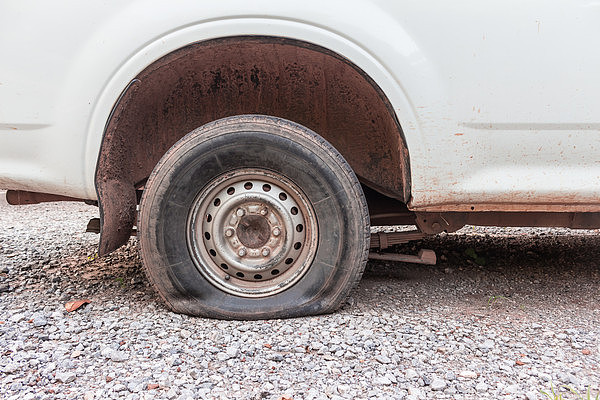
point(208, 80)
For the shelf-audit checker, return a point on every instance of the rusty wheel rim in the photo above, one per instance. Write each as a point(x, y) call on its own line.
point(252, 233)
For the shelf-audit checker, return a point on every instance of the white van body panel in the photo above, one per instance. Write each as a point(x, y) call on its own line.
point(498, 102)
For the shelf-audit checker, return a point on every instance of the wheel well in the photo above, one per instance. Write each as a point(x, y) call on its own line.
point(209, 80)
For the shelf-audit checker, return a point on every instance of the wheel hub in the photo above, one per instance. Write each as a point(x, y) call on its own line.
point(252, 233)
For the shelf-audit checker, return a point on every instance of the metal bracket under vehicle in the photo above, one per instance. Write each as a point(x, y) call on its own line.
point(383, 240)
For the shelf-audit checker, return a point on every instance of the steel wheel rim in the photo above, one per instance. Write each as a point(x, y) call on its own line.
point(252, 233)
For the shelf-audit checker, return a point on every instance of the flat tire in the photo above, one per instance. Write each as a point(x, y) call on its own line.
point(253, 217)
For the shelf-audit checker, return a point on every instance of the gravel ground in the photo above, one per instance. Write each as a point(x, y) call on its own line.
point(503, 314)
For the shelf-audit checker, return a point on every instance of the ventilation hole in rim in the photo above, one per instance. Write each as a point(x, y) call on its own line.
point(207, 235)
point(266, 187)
point(299, 228)
point(297, 245)
point(208, 218)
point(224, 266)
point(275, 272)
point(217, 202)
point(239, 274)
point(288, 261)
point(258, 276)
point(212, 253)
point(231, 191)
point(248, 185)
point(294, 211)
point(282, 196)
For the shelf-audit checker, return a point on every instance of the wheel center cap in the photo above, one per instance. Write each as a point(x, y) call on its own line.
point(254, 231)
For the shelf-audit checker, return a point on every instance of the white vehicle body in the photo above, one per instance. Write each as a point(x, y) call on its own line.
point(499, 102)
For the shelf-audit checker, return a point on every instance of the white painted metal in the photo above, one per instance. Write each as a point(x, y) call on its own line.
point(498, 100)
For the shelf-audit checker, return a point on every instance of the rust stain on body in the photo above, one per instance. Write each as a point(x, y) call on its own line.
point(20, 197)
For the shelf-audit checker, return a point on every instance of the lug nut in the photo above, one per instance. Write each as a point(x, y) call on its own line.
point(242, 252)
point(265, 252)
point(264, 211)
point(276, 231)
point(240, 212)
point(227, 277)
point(229, 232)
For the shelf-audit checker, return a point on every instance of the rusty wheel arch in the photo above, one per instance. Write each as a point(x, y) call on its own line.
point(209, 80)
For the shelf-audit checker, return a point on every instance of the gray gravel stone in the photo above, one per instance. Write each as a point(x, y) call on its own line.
point(438, 384)
point(65, 377)
point(467, 374)
point(383, 359)
point(119, 356)
point(119, 387)
point(487, 345)
point(531, 395)
point(11, 368)
point(481, 387)
point(17, 317)
point(40, 321)
point(450, 376)
point(411, 374)
point(383, 380)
